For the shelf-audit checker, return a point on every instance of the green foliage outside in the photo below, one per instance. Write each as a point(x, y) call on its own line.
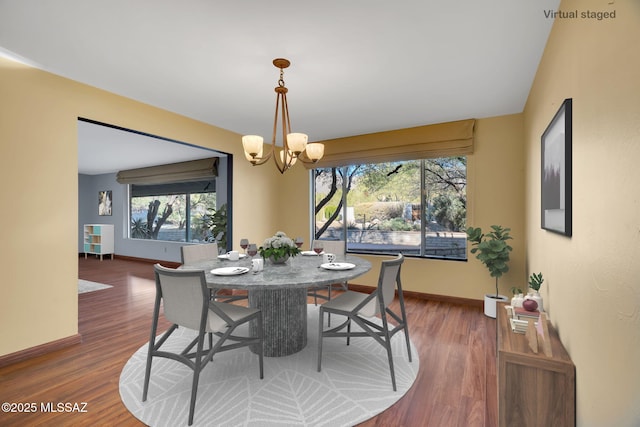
point(168, 214)
point(380, 193)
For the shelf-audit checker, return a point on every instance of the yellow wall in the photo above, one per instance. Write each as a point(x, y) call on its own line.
point(39, 144)
point(495, 196)
point(39, 187)
point(592, 286)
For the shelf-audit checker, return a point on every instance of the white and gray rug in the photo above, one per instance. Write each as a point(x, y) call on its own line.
point(354, 384)
point(88, 286)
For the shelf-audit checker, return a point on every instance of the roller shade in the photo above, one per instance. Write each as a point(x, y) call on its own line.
point(174, 188)
point(423, 142)
point(194, 170)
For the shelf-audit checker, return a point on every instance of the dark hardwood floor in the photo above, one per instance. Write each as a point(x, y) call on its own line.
point(456, 385)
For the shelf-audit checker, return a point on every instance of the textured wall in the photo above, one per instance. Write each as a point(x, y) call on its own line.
point(592, 287)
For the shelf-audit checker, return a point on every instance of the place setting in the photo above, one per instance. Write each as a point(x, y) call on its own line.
point(229, 271)
point(337, 266)
point(329, 263)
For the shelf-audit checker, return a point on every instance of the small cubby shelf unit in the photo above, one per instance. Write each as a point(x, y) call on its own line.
point(98, 240)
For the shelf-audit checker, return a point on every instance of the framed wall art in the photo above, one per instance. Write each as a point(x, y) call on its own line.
point(556, 172)
point(104, 203)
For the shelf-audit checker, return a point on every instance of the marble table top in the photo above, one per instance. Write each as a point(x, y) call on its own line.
point(298, 272)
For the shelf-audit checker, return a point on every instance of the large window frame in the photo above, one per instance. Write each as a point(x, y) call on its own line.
point(183, 195)
point(433, 244)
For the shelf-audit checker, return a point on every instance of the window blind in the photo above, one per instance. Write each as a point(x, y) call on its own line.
point(194, 170)
point(423, 142)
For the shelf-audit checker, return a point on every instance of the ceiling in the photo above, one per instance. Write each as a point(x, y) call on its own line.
point(357, 66)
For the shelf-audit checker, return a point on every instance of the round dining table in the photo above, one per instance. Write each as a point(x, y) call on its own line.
point(280, 292)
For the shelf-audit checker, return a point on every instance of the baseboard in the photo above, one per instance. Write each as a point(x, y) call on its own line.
point(169, 264)
point(427, 297)
point(39, 350)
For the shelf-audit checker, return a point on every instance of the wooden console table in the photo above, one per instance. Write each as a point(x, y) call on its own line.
point(533, 389)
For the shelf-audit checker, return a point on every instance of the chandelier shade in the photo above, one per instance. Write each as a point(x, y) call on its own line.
point(295, 145)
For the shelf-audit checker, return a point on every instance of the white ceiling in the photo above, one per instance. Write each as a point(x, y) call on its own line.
point(358, 66)
point(105, 149)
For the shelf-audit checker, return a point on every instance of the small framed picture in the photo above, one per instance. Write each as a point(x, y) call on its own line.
point(104, 202)
point(556, 172)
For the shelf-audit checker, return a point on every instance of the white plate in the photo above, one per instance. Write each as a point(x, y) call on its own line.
point(308, 253)
point(229, 271)
point(226, 256)
point(338, 266)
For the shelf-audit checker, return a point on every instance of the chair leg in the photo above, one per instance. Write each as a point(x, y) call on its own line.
point(329, 314)
point(147, 373)
point(387, 344)
point(405, 325)
point(152, 344)
point(406, 336)
point(320, 328)
point(196, 377)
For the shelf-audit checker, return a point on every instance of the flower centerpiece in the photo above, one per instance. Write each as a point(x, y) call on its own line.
point(278, 248)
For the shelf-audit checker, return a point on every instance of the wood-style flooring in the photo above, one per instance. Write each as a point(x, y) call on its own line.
point(456, 385)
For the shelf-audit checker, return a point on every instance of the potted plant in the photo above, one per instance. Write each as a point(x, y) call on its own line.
point(535, 281)
point(216, 222)
point(278, 248)
point(493, 251)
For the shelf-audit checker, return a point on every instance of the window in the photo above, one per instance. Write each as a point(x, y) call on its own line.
point(416, 207)
point(179, 212)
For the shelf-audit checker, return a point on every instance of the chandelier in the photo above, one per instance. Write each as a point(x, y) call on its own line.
point(294, 145)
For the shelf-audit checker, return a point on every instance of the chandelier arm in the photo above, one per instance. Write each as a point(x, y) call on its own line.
point(282, 167)
point(304, 159)
point(257, 161)
point(286, 129)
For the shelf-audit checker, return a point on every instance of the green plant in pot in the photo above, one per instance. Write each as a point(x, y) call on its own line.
point(217, 223)
point(535, 282)
point(493, 250)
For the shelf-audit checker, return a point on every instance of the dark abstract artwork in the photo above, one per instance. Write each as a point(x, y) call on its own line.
point(556, 172)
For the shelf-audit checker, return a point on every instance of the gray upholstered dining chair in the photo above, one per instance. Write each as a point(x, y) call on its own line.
point(208, 251)
point(199, 252)
point(360, 308)
point(338, 248)
point(185, 297)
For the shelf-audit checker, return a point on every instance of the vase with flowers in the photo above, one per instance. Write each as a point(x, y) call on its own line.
point(278, 248)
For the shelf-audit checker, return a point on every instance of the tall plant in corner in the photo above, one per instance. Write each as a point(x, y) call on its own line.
point(492, 249)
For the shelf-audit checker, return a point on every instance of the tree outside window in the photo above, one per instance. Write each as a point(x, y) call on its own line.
point(415, 207)
point(173, 212)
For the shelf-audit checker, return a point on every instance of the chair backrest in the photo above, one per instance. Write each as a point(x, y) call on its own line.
point(201, 252)
point(387, 283)
point(185, 295)
point(334, 247)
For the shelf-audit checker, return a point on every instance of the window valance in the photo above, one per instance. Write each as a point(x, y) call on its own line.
point(422, 142)
point(194, 170)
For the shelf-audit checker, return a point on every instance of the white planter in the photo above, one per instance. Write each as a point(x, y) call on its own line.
point(490, 304)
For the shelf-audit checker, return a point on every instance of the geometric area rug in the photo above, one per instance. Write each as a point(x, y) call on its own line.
point(87, 286)
point(353, 386)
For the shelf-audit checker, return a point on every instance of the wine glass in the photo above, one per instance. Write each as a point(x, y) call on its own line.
point(252, 249)
point(243, 244)
point(317, 247)
point(299, 242)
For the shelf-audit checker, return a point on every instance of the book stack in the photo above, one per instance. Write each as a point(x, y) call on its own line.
point(522, 314)
point(519, 326)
